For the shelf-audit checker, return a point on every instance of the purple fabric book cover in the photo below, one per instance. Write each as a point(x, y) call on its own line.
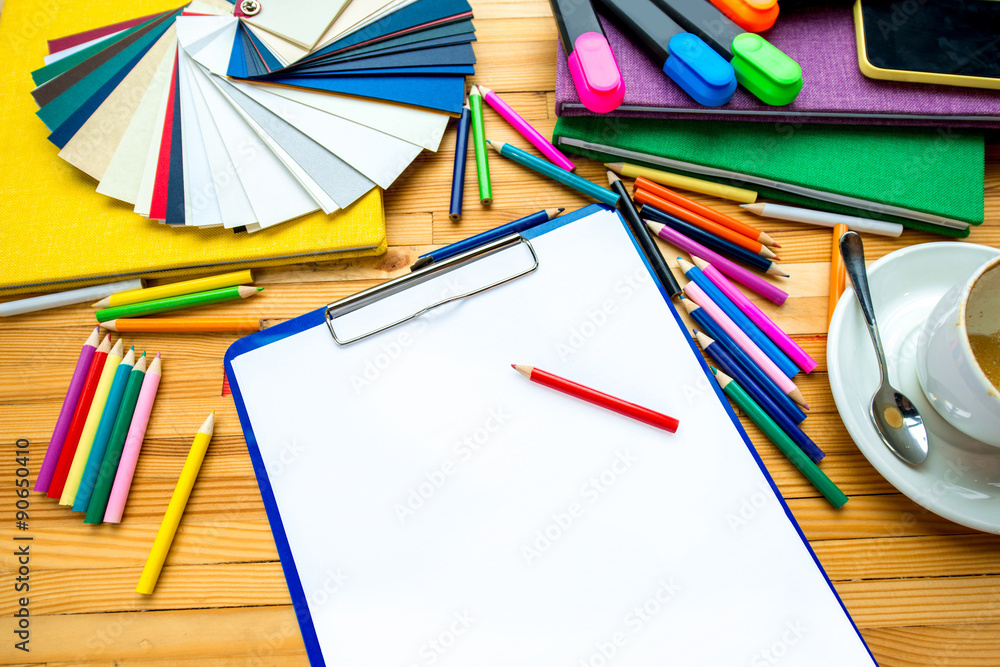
point(821, 39)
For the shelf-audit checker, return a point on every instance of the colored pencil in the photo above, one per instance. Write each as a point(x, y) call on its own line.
point(584, 393)
point(766, 384)
point(838, 272)
point(642, 234)
point(183, 324)
point(696, 294)
point(767, 346)
point(729, 268)
point(133, 443)
point(545, 168)
point(100, 481)
point(175, 509)
point(58, 480)
point(825, 219)
point(709, 240)
point(107, 436)
point(70, 297)
point(690, 183)
point(670, 202)
point(181, 302)
point(479, 143)
point(806, 466)
point(506, 229)
point(177, 289)
point(750, 309)
point(102, 411)
point(66, 412)
point(726, 363)
point(458, 171)
point(526, 130)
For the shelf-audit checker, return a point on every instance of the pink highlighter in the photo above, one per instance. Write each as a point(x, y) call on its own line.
point(592, 64)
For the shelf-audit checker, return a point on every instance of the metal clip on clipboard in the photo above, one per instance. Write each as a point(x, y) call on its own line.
point(368, 297)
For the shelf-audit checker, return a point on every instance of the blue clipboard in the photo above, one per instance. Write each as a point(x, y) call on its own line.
point(843, 634)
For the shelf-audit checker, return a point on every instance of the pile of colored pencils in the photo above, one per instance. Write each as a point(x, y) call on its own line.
point(97, 437)
point(127, 312)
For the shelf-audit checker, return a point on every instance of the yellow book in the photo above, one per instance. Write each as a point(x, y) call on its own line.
point(57, 232)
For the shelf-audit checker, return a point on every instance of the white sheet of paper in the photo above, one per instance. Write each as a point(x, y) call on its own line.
point(417, 126)
point(214, 55)
point(379, 156)
point(234, 206)
point(201, 203)
point(442, 508)
point(123, 177)
point(274, 193)
point(282, 49)
point(300, 21)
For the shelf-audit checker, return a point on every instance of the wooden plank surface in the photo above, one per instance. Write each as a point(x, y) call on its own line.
point(923, 590)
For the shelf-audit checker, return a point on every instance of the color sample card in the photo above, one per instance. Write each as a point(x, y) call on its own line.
point(211, 115)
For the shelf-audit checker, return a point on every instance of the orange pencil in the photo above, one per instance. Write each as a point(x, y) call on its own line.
point(643, 196)
point(743, 228)
point(838, 274)
point(182, 324)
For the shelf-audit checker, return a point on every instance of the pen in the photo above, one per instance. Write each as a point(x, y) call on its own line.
point(592, 64)
point(512, 227)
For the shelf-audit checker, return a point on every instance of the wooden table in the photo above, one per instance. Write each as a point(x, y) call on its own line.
point(922, 590)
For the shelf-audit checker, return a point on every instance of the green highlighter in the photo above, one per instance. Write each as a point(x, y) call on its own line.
point(767, 73)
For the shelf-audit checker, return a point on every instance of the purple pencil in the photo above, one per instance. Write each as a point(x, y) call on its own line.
point(757, 316)
point(536, 138)
point(66, 413)
point(731, 269)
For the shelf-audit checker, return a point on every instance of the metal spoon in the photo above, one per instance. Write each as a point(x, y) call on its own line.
point(896, 419)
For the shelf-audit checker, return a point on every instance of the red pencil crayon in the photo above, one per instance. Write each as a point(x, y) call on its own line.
point(608, 401)
point(79, 419)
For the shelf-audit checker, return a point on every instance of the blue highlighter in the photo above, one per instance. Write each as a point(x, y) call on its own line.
point(691, 63)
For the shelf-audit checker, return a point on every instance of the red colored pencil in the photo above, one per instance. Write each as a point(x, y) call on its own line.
point(79, 419)
point(622, 407)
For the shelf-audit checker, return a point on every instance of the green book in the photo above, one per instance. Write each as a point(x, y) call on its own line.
point(932, 170)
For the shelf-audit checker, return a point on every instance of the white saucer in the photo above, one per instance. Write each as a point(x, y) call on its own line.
point(960, 480)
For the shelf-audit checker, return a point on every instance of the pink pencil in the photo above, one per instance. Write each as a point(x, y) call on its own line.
point(731, 269)
point(528, 132)
point(133, 442)
point(66, 413)
point(757, 316)
point(696, 294)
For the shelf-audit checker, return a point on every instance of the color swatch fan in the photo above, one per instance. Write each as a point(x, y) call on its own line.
point(245, 116)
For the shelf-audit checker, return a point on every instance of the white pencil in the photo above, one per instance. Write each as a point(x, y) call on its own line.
point(56, 299)
point(854, 223)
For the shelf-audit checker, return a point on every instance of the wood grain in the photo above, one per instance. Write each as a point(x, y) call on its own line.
point(923, 590)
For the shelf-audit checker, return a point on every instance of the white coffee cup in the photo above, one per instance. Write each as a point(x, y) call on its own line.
point(950, 376)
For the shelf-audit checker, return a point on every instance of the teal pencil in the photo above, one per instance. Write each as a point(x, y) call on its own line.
point(546, 168)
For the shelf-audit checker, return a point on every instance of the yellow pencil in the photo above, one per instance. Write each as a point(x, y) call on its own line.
point(165, 536)
point(690, 183)
point(177, 289)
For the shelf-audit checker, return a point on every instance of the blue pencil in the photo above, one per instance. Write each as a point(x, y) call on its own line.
point(458, 175)
point(513, 227)
point(732, 369)
point(714, 331)
point(546, 168)
point(767, 346)
point(712, 241)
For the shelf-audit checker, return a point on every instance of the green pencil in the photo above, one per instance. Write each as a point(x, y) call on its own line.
point(178, 302)
point(97, 500)
point(479, 141)
point(805, 465)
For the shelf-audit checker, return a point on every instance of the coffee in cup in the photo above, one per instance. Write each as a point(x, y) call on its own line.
point(958, 355)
